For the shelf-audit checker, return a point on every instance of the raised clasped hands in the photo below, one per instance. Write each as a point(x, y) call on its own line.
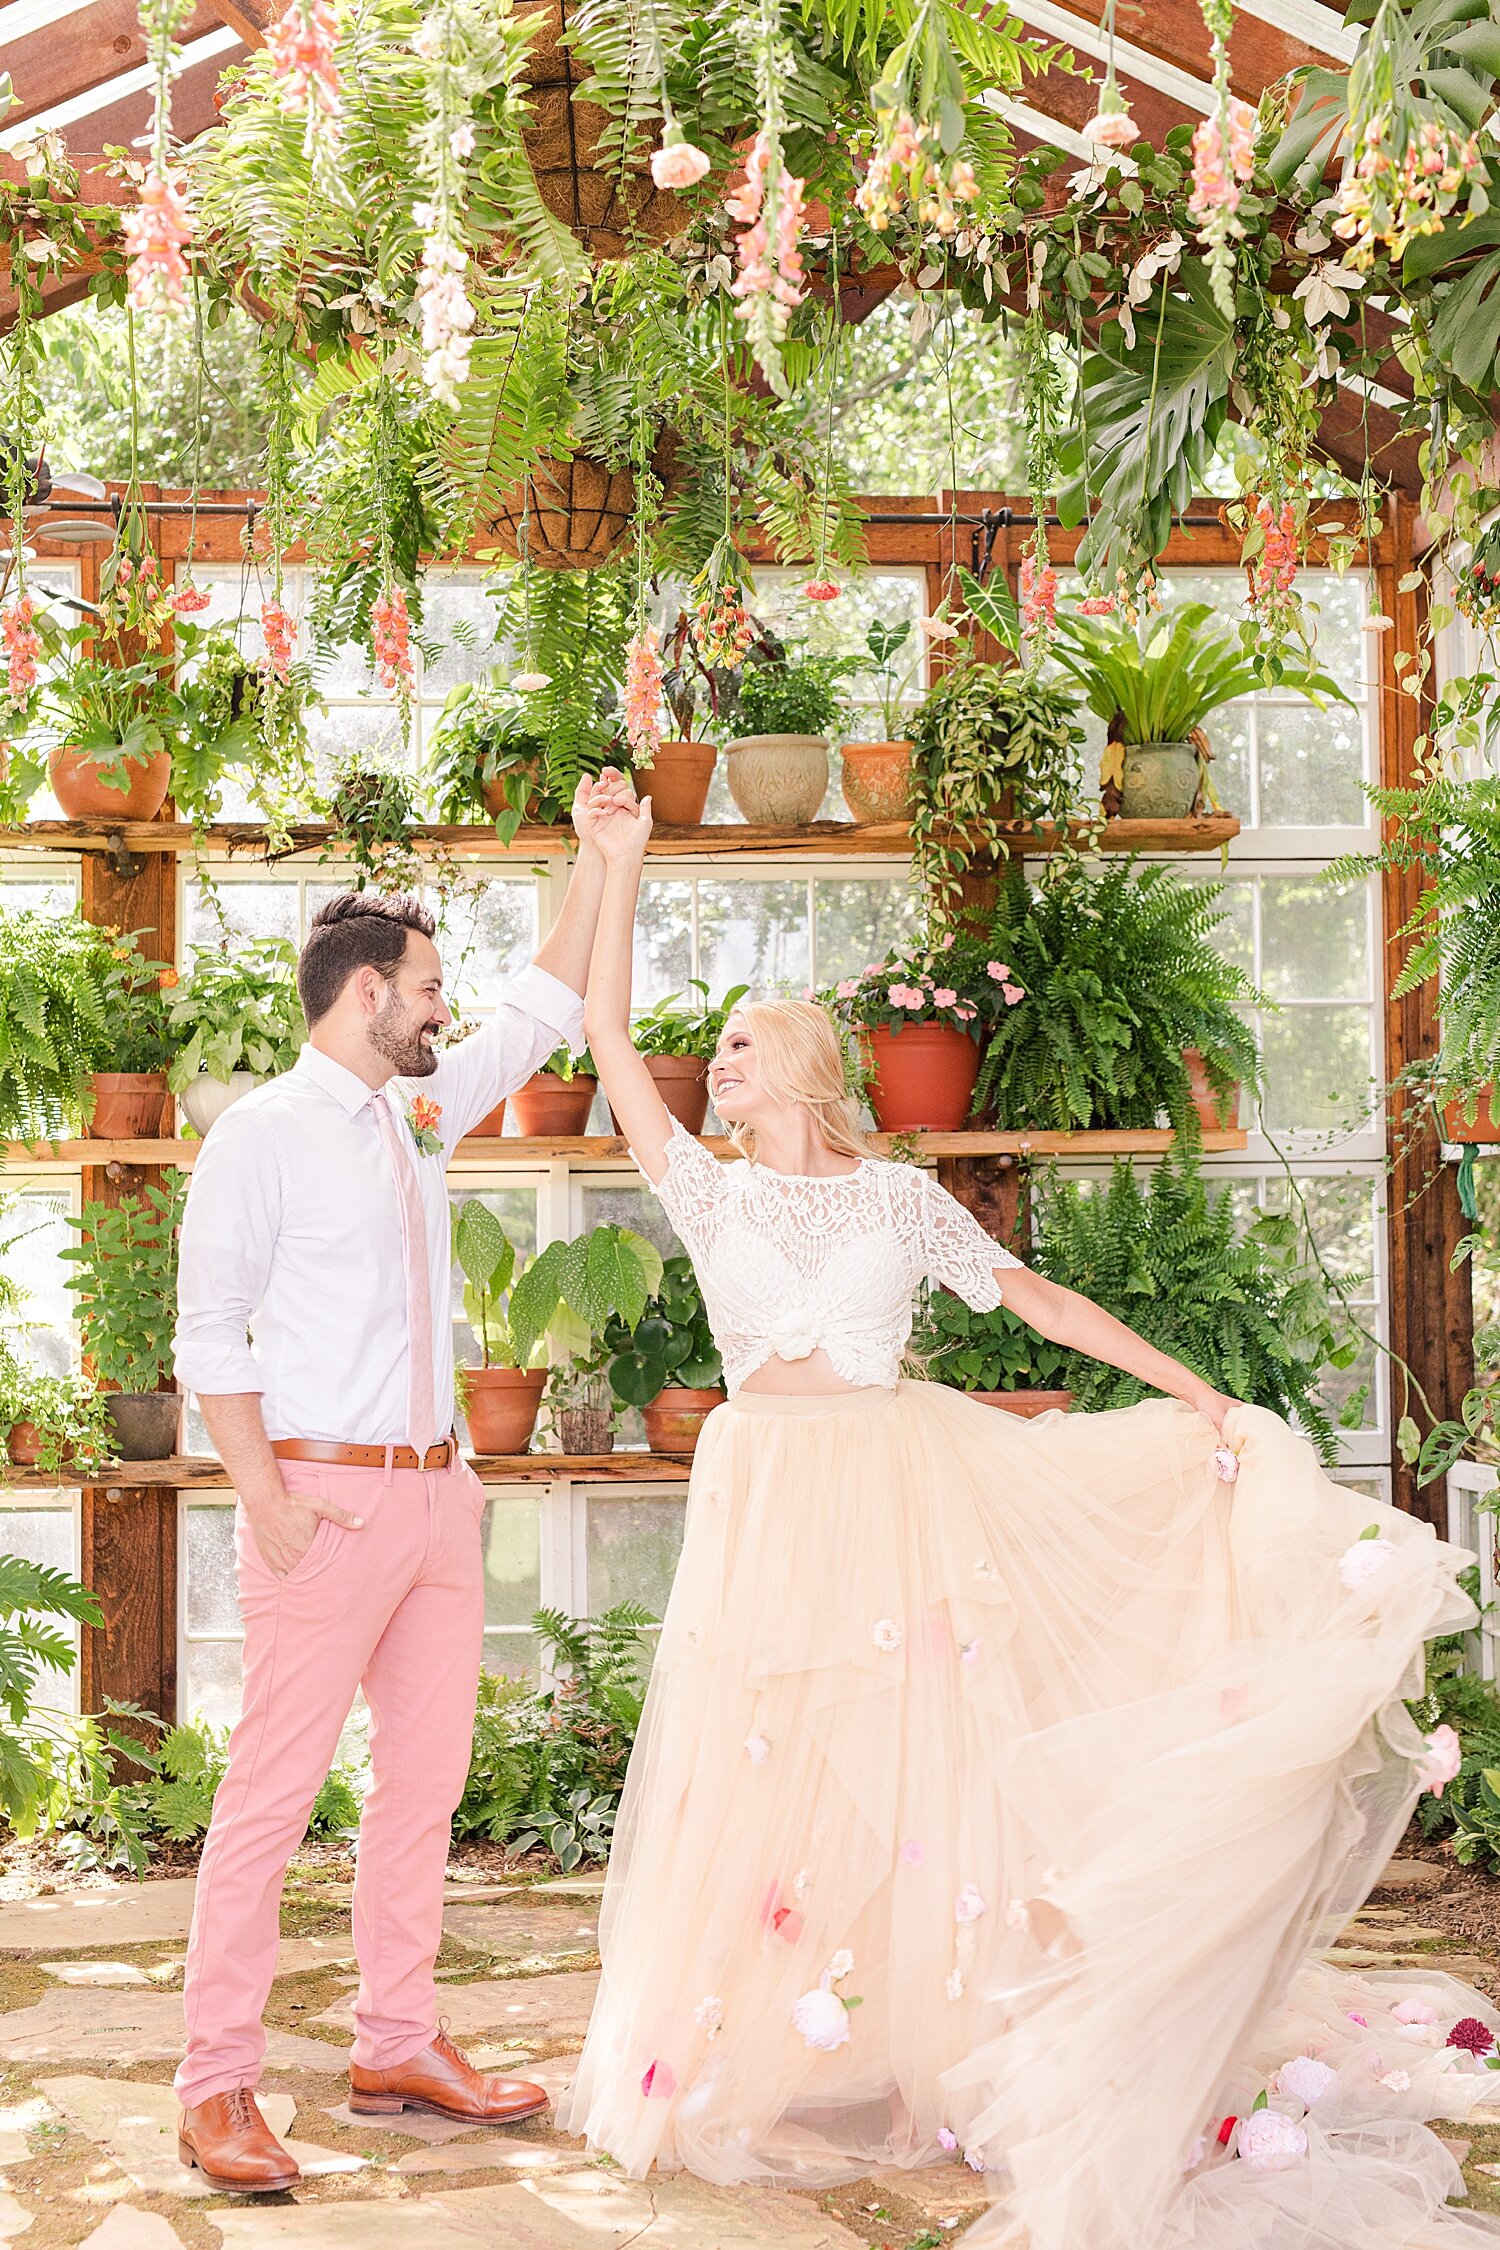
point(607, 815)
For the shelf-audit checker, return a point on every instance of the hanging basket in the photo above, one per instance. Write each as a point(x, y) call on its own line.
point(612, 211)
point(577, 513)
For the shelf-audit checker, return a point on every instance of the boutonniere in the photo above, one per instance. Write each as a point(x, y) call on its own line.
point(424, 1117)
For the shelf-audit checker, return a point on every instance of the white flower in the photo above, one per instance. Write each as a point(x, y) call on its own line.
point(1269, 2142)
point(887, 1636)
point(461, 142)
point(954, 1986)
point(710, 2013)
point(823, 2021)
point(974, 2158)
point(757, 1749)
point(1378, 622)
point(1127, 326)
point(1325, 291)
point(1018, 1915)
point(1163, 257)
point(1363, 1559)
point(531, 683)
point(1226, 1463)
point(968, 1906)
point(1196, 2153)
point(1306, 2080)
point(1399, 2081)
point(842, 1964)
point(938, 628)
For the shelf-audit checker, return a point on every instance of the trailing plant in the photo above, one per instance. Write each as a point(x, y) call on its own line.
point(124, 1282)
point(672, 1026)
point(982, 1351)
point(991, 748)
point(372, 806)
point(1122, 977)
point(70, 1418)
point(488, 734)
point(1257, 1322)
point(236, 1011)
point(54, 1026)
point(670, 1343)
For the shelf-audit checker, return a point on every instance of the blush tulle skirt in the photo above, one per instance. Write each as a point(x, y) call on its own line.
point(998, 1784)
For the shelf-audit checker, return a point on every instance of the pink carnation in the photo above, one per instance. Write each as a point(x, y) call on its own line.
point(822, 590)
point(1111, 128)
point(677, 164)
point(1441, 1761)
point(1097, 605)
point(187, 599)
point(1474, 2037)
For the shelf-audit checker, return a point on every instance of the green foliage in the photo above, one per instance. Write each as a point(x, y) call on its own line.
point(487, 1259)
point(566, 1295)
point(989, 747)
point(33, 1601)
point(237, 1011)
point(573, 625)
point(1121, 975)
point(486, 733)
point(372, 806)
point(1468, 1811)
point(1245, 1311)
point(1450, 830)
point(131, 988)
point(54, 1028)
point(71, 1420)
point(794, 695)
point(1169, 676)
point(982, 1351)
point(124, 1281)
point(671, 1342)
point(670, 1027)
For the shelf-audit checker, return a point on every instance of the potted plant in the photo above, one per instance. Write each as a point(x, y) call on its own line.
point(1155, 685)
point(1131, 1013)
point(129, 1100)
point(992, 747)
point(787, 708)
point(373, 808)
point(677, 774)
point(579, 1398)
point(993, 1356)
point(555, 1101)
point(877, 776)
point(677, 1040)
point(124, 1278)
point(53, 1025)
point(915, 1022)
point(487, 757)
point(668, 1364)
point(238, 1020)
point(51, 1422)
point(502, 1395)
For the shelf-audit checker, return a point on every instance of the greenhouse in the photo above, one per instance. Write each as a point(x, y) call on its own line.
point(1018, 493)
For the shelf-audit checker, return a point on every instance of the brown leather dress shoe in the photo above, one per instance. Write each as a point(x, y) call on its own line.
point(233, 2146)
point(442, 2080)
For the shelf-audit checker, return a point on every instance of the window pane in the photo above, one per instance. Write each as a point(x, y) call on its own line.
point(1314, 938)
point(487, 937)
point(212, 1603)
point(633, 1547)
point(36, 1230)
point(858, 920)
point(514, 1656)
point(48, 1536)
point(1311, 765)
point(1228, 734)
point(249, 910)
point(512, 1557)
point(370, 728)
point(663, 940)
point(753, 933)
point(633, 1207)
point(459, 614)
point(1317, 1068)
point(213, 1671)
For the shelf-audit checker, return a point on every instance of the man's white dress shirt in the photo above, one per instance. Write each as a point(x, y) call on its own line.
point(293, 1229)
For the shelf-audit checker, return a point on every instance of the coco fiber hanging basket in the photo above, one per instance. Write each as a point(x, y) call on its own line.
point(612, 211)
point(576, 513)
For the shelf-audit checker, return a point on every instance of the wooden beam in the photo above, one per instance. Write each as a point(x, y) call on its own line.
point(161, 1481)
point(84, 50)
point(250, 18)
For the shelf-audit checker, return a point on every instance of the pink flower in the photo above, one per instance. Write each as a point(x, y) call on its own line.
point(787, 1923)
point(301, 47)
point(1362, 1560)
point(1399, 2081)
point(279, 631)
point(1213, 186)
point(1362, 2021)
point(1241, 138)
point(1038, 596)
point(1269, 2142)
point(1472, 2036)
point(968, 1906)
point(945, 996)
point(531, 683)
point(23, 646)
point(1442, 1759)
point(757, 1749)
point(1226, 1463)
point(822, 590)
point(966, 1014)
point(1276, 566)
point(390, 628)
point(643, 678)
point(157, 234)
point(187, 599)
point(1011, 993)
point(1111, 128)
point(974, 2158)
point(659, 2082)
point(999, 970)
point(1097, 605)
point(1306, 2079)
point(938, 628)
point(847, 989)
point(914, 1852)
point(946, 2139)
point(768, 270)
point(822, 2019)
point(677, 164)
point(1414, 2011)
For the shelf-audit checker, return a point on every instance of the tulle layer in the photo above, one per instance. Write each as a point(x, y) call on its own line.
point(996, 1781)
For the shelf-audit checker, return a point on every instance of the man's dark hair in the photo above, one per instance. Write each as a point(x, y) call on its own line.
point(356, 930)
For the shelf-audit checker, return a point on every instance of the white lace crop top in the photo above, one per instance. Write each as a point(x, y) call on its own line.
point(787, 1263)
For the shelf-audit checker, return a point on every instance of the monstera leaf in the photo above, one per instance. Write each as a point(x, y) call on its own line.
point(1149, 415)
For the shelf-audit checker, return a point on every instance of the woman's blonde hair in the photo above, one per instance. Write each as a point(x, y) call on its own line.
point(799, 1059)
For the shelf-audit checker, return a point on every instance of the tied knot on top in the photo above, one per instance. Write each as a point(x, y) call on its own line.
point(790, 1339)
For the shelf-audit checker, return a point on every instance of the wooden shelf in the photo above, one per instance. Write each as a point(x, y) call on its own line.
point(610, 1150)
point(824, 839)
point(199, 1472)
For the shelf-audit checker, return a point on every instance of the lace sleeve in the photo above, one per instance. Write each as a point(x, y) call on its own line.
point(958, 1252)
point(690, 1189)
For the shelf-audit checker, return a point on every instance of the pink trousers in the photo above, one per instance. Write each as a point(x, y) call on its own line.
point(396, 1608)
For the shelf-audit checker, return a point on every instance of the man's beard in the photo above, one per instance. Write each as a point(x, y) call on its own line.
point(399, 1042)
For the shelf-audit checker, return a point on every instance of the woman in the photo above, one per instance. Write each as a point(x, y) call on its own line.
point(997, 1776)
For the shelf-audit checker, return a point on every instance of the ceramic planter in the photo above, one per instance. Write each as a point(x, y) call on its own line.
point(778, 780)
point(1028, 1404)
point(207, 1098)
point(497, 802)
point(921, 1077)
point(128, 1105)
point(586, 1430)
point(1205, 1101)
point(23, 1445)
point(1160, 781)
point(549, 1107)
point(146, 1423)
point(83, 793)
point(677, 782)
point(877, 782)
point(490, 1126)
point(675, 1416)
point(682, 1082)
point(502, 1404)
point(1486, 1126)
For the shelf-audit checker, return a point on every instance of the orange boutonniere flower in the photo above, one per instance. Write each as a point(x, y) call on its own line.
point(424, 1117)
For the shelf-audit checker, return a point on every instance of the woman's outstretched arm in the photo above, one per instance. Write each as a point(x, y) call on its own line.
point(621, 840)
point(1063, 1317)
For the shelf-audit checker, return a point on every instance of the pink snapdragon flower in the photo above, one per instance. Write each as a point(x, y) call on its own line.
point(643, 678)
point(390, 627)
point(280, 631)
point(301, 46)
point(23, 646)
point(157, 235)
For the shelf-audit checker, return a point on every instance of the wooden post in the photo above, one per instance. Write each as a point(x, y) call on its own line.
point(129, 1532)
point(1432, 1306)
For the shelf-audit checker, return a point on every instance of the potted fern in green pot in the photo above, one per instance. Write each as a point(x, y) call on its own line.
point(1155, 686)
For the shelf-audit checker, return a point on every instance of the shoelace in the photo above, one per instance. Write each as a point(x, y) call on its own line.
point(241, 2108)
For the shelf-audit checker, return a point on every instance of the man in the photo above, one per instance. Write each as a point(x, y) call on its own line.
point(319, 1213)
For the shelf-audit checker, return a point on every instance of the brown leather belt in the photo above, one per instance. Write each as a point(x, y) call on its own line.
point(439, 1456)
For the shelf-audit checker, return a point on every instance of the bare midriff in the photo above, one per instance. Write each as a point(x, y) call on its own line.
point(799, 1377)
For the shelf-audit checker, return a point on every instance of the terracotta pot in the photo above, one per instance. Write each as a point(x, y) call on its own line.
point(877, 781)
point(1160, 781)
point(675, 1417)
point(677, 782)
point(586, 1429)
point(206, 1100)
point(1205, 1102)
point(921, 1077)
point(1486, 1126)
point(490, 1126)
point(778, 780)
point(128, 1105)
point(497, 802)
point(1028, 1404)
point(23, 1445)
point(147, 1423)
point(502, 1404)
point(84, 795)
point(548, 1106)
point(682, 1082)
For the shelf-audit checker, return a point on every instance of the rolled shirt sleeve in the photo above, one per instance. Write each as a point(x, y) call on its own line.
point(536, 1014)
point(224, 1257)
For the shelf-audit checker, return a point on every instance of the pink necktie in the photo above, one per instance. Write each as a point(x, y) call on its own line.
point(420, 1420)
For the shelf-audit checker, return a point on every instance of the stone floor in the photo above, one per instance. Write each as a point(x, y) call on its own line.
point(90, 2022)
